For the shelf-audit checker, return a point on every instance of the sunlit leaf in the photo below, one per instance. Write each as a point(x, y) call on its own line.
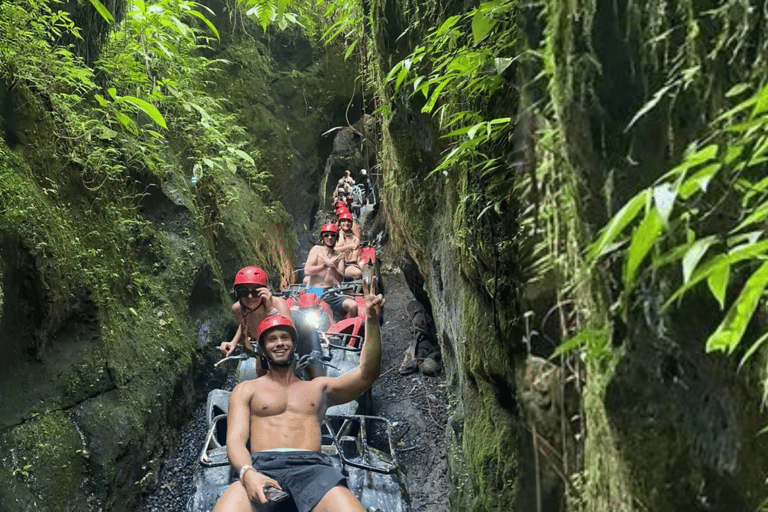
point(502, 63)
point(699, 181)
point(642, 240)
point(762, 102)
point(145, 106)
point(694, 254)
point(759, 214)
point(103, 11)
point(731, 329)
point(207, 22)
point(718, 284)
point(736, 90)
point(481, 25)
point(664, 198)
point(716, 264)
point(350, 49)
point(617, 224)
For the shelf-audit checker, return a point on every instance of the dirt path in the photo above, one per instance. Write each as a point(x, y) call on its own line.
point(415, 404)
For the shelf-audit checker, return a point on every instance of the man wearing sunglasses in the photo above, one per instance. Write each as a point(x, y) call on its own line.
point(254, 303)
point(325, 266)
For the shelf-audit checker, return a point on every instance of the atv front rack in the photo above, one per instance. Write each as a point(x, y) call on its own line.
point(351, 440)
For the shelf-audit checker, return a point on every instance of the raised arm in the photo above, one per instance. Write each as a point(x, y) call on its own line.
point(355, 382)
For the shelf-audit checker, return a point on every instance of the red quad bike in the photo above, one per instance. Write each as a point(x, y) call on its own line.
point(348, 332)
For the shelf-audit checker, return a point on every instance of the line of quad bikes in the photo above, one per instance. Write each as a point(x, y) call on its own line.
point(359, 443)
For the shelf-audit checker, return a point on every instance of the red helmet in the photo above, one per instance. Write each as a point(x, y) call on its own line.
point(333, 228)
point(345, 215)
point(274, 321)
point(251, 275)
point(340, 204)
point(307, 300)
point(341, 209)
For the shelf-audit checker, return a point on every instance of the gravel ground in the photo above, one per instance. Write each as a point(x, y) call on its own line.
point(415, 404)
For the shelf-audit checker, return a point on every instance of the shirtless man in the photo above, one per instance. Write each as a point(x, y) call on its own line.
point(355, 227)
point(255, 303)
point(346, 181)
point(325, 266)
point(279, 411)
point(349, 245)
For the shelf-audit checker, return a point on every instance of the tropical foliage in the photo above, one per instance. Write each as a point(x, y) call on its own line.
point(706, 216)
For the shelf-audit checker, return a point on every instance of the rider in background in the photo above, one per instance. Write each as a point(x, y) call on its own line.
point(349, 245)
point(346, 181)
point(325, 267)
point(355, 227)
point(254, 303)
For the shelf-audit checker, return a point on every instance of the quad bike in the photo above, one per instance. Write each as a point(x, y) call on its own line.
point(360, 446)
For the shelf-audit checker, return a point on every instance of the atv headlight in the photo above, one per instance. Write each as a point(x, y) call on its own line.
point(313, 317)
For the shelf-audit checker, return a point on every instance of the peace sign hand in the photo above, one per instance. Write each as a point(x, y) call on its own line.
point(374, 304)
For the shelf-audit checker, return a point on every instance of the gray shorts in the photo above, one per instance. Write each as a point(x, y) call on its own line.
point(307, 476)
point(336, 302)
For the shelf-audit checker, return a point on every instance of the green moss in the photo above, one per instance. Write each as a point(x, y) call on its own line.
point(489, 432)
point(46, 449)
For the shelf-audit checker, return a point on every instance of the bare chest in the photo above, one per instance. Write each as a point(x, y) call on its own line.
point(299, 398)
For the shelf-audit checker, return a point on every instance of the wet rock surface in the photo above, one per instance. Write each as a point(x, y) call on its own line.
point(414, 404)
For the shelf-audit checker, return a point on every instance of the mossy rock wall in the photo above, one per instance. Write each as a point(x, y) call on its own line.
point(661, 425)
point(116, 280)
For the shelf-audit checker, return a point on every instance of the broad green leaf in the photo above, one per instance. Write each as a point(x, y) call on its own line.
point(126, 121)
point(107, 134)
point(502, 63)
point(112, 92)
point(694, 254)
point(205, 20)
point(209, 163)
point(245, 156)
point(473, 130)
point(481, 25)
point(447, 25)
point(103, 11)
point(735, 110)
point(350, 49)
point(758, 214)
point(460, 131)
point(642, 240)
point(147, 107)
point(427, 108)
point(736, 90)
point(731, 330)
point(699, 181)
point(617, 224)
point(281, 6)
point(103, 102)
point(762, 102)
point(718, 284)
point(394, 71)
point(664, 198)
point(761, 148)
point(717, 263)
point(400, 77)
point(699, 157)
